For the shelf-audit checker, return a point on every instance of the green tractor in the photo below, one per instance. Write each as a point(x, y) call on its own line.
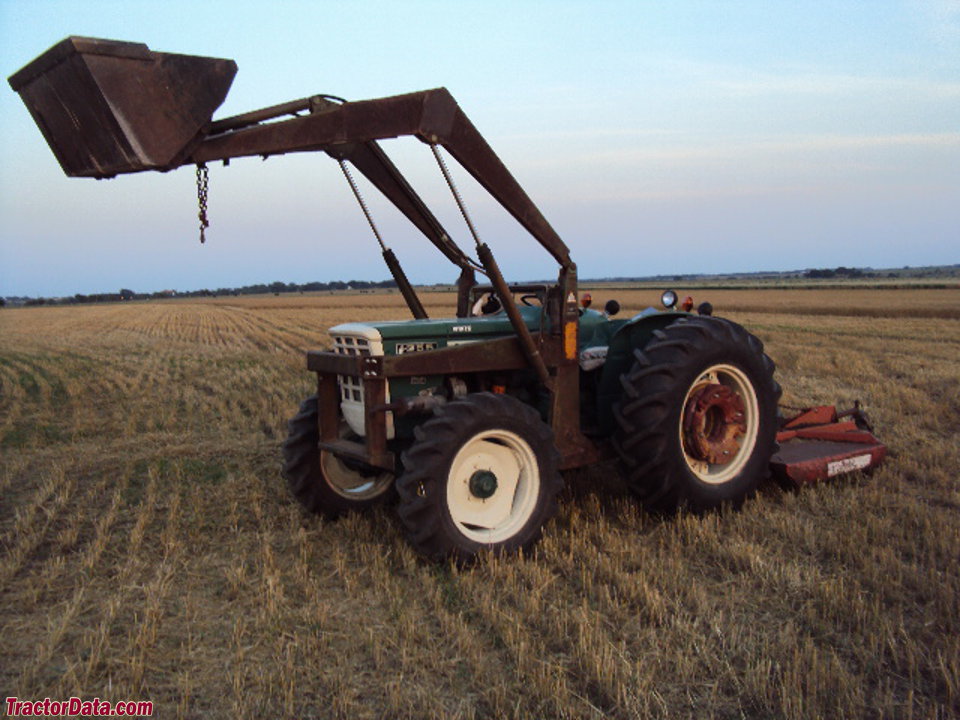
point(473, 440)
point(467, 421)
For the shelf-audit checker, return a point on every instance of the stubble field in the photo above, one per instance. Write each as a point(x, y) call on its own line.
point(149, 549)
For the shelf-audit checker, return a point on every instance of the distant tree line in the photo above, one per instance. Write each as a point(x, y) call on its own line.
point(281, 287)
point(838, 272)
point(259, 289)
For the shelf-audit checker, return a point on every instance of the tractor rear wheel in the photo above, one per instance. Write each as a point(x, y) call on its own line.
point(482, 474)
point(321, 481)
point(697, 422)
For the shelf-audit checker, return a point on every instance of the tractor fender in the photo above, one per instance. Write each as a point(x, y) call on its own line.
point(652, 316)
point(634, 334)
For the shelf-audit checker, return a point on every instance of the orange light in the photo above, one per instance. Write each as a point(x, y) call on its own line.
point(586, 299)
point(570, 340)
point(687, 304)
point(499, 389)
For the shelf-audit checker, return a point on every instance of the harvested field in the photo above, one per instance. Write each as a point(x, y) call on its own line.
point(149, 549)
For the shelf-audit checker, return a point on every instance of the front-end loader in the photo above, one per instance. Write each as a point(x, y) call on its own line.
point(468, 421)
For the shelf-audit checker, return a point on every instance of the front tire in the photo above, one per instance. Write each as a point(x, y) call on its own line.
point(482, 474)
point(322, 482)
point(697, 425)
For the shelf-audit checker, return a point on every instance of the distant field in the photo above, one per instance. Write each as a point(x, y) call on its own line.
point(149, 549)
point(870, 302)
point(942, 282)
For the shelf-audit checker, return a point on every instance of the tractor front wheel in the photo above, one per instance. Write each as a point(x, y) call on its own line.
point(321, 481)
point(697, 420)
point(482, 474)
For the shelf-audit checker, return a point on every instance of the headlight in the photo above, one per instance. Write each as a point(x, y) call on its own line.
point(668, 299)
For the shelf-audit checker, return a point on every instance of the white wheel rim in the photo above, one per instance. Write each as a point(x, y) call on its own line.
point(500, 516)
point(349, 483)
point(736, 380)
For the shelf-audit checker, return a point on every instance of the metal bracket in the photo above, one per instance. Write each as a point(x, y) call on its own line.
point(372, 366)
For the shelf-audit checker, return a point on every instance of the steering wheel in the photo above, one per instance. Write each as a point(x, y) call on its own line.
point(525, 299)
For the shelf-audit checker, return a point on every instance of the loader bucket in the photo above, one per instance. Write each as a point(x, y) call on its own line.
point(107, 107)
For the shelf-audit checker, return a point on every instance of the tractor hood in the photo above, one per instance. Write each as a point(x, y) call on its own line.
point(399, 336)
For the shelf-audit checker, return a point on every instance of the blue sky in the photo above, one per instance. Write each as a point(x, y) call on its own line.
point(657, 137)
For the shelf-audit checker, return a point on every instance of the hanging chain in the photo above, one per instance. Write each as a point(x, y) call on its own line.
point(456, 193)
point(363, 205)
point(203, 182)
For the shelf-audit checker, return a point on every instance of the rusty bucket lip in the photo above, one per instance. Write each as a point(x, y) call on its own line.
point(83, 45)
point(73, 45)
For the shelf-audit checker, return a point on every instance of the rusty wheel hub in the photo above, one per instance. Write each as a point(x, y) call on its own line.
point(713, 422)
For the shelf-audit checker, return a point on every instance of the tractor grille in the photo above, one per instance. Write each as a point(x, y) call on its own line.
point(351, 389)
point(347, 345)
point(356, 340)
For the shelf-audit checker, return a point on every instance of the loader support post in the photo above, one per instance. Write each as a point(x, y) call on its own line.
point(406, 289)
point(465, 283)
point(399, 277)
point(527, 344)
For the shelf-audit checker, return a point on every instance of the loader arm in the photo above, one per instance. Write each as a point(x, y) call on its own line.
point(433, 116)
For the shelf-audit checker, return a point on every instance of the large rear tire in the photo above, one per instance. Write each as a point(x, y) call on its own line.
point(321, 481)
point(481, 475)
point(697, 422)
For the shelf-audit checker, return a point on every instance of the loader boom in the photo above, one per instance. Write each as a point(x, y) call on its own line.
point(432, 116)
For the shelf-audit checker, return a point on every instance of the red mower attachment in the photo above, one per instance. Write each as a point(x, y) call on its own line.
point(818, 444)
